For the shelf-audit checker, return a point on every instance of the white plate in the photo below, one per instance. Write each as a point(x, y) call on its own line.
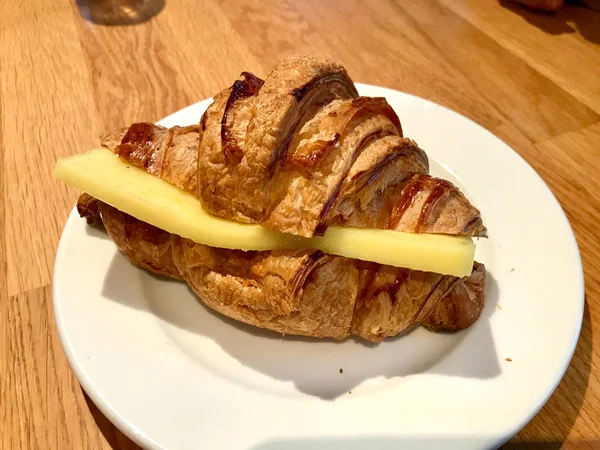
point(172, 374)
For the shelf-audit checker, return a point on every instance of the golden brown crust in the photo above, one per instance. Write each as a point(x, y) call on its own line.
point(462, 306)
point(279, 291)
point(114, 138)
point(303, 292)
point(143, 244)
point(337, 160)
point(222, 138)
point(394, 300)
point(292, 93)
point(417, 204)
point(319, 157)
point(298, 153)
point(168, 153)
point(88, 207)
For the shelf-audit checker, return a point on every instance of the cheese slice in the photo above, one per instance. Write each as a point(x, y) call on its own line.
point(110, 179)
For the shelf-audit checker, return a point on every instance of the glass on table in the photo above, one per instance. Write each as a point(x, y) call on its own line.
point(119, 12)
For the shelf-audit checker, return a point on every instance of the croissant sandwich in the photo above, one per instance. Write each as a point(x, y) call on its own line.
point(299, 153)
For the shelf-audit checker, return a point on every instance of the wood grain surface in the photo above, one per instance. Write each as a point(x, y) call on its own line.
point(71, 70)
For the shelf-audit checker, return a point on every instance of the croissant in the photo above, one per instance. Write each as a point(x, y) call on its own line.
point(296, 153)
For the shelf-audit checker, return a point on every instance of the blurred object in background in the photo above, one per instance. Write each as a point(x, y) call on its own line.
point(545, 5)
point(555, 5)
point(119, 12)
point(594, 4)
point(570, 17)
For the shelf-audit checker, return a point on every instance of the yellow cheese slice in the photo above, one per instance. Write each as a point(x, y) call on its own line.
point(107, 177)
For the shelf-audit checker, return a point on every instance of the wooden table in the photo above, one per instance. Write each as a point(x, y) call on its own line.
point(64, 80)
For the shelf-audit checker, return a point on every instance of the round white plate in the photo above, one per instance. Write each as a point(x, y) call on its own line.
point(171, 373)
